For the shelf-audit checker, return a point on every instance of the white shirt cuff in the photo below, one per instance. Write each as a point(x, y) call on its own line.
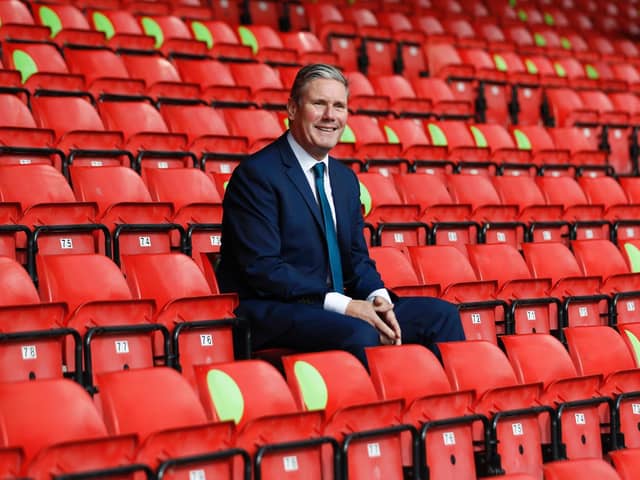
point(336, 302)
point(381, 292)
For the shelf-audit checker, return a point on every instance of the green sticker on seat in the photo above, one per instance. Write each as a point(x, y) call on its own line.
point(103, 24)
point(633, 253)
point(438, 138)
point(225, 395)
point(312, 386)
point(391, 135)
point(248, 38)
point(560, 71)
point(522, 141)
point(531, 67)
point(24, 64)
point(50, 18)
point(365, 199)
point(539, 39)
point(591, 72)
point(522, 15)
point(499, 62)
point(152, 29)
point(478, 137)
point(202, 33)
point(635, 345)
point(347, 135)
point(548, 19)
point(565, 43)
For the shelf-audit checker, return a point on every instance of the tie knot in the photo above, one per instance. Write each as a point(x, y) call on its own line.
point(318, 169)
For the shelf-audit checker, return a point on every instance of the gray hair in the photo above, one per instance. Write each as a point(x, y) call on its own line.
point(314, 71)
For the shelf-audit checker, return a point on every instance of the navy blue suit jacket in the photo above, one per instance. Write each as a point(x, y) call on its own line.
point(273, 243)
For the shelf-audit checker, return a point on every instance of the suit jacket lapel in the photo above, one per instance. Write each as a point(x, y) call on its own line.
point(299, 180)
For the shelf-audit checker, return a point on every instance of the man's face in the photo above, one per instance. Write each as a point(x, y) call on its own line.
point(317, 121)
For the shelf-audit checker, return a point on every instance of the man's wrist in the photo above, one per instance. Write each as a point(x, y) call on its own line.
point(381, 292)
point(336, 302)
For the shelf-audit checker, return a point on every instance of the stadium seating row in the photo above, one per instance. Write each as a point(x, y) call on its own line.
point(133, 132)
point(113, 210)
point(501, 291)
point(532, 401)
point(161, 308)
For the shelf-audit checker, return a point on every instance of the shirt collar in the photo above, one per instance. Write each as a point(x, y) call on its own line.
point(305, 160)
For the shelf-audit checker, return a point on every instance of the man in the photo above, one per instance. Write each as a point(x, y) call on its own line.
point(293, 247)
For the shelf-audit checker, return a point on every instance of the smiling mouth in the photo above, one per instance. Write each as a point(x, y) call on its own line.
point(327, 129)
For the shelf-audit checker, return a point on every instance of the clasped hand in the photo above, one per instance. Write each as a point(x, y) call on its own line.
point(380, 315)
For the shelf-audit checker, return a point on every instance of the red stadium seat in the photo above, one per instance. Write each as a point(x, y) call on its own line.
point(146, 132)
point(583, 302)
point(120, 28)
point(351, 409)
point(199, 322)
point(60, 431)
point(160, 77)
point(431, 406)
point(41, 66)
point(448, 267)
point(496, 393)
point(116, 329)
point(220, 38)
point(567, 469)
point(264, 83)
point(208, 135)
point(268, 417)
point(266, 45)
point(395, 222)
point(532, 311)
point(398, 273)
point(67, 24)
point(185, 433)
point(171, 35)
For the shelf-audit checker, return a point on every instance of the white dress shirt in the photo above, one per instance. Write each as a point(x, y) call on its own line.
point(333, 301)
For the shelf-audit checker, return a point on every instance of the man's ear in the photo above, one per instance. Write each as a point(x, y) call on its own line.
point(292, 107)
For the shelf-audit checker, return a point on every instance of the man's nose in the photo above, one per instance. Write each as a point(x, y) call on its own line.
point(329, 112)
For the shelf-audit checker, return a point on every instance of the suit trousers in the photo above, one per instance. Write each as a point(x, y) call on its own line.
point(423, 320)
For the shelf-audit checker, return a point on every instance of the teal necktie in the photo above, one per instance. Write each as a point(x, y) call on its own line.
point(329, 230)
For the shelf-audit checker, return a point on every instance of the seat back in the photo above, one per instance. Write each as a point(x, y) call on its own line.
point(551, 260)
point(538, 358)
point(16, 286)
point(194, 120)
point(38, 414)
point(394, 371)
point(33, 184)
point(79, 114)
point(196, 187)
point(78, 279)
point(257, 387)
point(340, 379)
point(499, 262)
point(585, 348)
point(164, 277)
point(108, 186)
point(15, 112)
point(599, 257)
point(583, 468)
point(394, 267)
point(442, 264)
point(170, 401)
point(462, 361)
point(603, 191)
